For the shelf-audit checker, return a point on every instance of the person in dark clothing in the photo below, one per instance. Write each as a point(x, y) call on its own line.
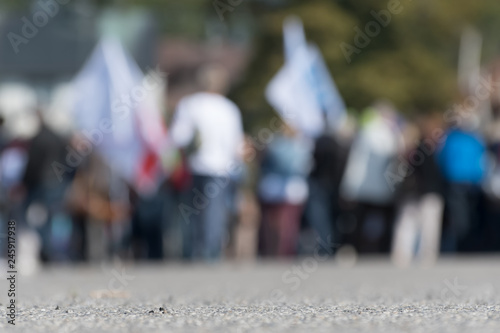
point(45, 193)
point(322, 208)
point(147, 226)
point(491, 185)
point(420, 201)
point(463, 162)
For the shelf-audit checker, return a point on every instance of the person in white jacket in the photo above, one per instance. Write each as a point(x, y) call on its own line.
point(209, 127)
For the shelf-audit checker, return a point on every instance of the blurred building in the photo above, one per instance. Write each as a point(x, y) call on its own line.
point(47, 46)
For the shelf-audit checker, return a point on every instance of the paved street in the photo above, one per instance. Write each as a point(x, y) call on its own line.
point(459, 295)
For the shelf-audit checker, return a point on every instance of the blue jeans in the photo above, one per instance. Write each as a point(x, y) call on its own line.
point(206, 216)
point(55, 231)
point(320, 211)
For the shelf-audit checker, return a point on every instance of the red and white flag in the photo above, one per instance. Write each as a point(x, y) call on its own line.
point(117, 109)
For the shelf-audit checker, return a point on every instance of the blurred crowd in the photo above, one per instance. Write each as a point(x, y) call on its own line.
point(413, 187)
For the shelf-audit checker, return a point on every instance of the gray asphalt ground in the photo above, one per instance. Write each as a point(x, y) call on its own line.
point(458, 295)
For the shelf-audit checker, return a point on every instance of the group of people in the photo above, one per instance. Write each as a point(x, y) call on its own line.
point(381, 184)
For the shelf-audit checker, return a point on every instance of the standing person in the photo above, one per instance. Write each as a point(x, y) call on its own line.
point(492, 190)
point(147, 224)
point(418, 226)
point(283, 191)
point(13, 158)
point(491, 183)
point(209, 127)
point(322, 207)
point(245, 232)
point(99, 207)
point(45, 205)
point(463, 162)
point(364, 181)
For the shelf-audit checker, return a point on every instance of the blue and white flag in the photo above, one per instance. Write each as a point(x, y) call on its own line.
point(294, 98)
point(303, 92)
point(326, 91)
point(294, 37)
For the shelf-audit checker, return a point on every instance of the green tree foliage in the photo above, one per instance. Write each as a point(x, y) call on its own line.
point(411, 62)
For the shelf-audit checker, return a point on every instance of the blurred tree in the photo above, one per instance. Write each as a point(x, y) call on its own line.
point(412, 61)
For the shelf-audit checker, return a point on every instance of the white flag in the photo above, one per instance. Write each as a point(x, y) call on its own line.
point(303, 92)
point(108, 93)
